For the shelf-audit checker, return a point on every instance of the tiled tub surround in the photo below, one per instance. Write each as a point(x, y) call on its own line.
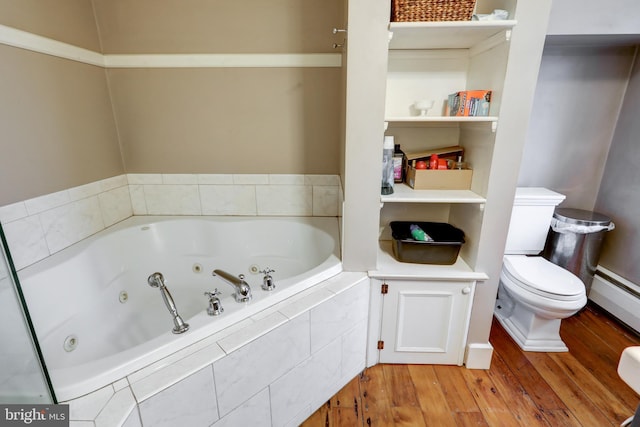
point(273, 369)
point(39, 227)
point(97, 291)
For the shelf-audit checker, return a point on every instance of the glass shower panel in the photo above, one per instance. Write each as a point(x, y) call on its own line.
point(22, 376)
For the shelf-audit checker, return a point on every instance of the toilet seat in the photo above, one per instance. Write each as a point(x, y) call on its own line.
point(541, 277)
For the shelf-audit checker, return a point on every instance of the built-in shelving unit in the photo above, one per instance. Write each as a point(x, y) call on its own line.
point(445, 35)
point(402, 193)
point(430, 60)
point(445, 119)
point(390, 268)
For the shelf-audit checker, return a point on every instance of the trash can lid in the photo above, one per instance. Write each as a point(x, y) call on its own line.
point(581, 217)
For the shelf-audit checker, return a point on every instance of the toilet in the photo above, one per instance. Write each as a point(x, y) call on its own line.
point(534, 295)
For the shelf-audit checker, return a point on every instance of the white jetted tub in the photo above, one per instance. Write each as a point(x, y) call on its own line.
point(98, 319)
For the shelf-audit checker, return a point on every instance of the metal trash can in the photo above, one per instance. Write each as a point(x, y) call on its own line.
point(574, 241)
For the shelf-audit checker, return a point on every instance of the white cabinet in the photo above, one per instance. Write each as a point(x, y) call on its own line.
point(430, 60)
point(424, 321)
point(384, 79)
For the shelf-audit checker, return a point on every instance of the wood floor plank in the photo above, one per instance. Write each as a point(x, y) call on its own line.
point(349, 396)
point(603, 326)
point(375, 398)
point(608, 403)
point(407, 416)
point(536, 387)
point(520, 403)
point(470, 419)
point(320, 418)
point(562, 418)
point(435, 410)
point(454, 387)
point(346, 406)
point(576, 400)
point(495, 409)
point(576, 389)
point(402, 392)
point(599, 359)
point(344, 417)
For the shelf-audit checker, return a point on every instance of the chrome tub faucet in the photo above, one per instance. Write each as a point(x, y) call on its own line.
point(156, 280)
point(241, 288)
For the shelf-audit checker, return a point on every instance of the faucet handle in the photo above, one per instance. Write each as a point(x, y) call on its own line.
point(213, 294)
point(215, 306)
point(267, 280)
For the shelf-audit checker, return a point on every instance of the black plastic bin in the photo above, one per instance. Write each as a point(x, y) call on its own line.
point(443, 250)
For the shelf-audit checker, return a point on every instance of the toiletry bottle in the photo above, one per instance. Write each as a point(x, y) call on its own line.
point(387, 165)
point(459, 164)
point(418, 234)
point(398, 156)
point(433, 162)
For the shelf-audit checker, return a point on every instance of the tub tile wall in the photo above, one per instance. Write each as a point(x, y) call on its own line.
point(228, 199)
point(310, 381)
point(191, 402)
point(303, 382)
point(256, 365)
point(39, 227)
point(249, 194)
point(255, 412)
point(121, 406)
point(133, 420)
point(70, 223)
point(175, 372)
point(172, 199)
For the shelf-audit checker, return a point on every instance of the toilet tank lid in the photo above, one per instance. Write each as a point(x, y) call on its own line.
point(537, 196)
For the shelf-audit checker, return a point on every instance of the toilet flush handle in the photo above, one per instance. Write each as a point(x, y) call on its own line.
point(466, 291)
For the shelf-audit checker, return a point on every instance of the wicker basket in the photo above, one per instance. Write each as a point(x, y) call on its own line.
point(431, 10)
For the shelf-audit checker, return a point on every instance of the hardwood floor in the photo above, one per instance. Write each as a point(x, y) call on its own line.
point(579, 388)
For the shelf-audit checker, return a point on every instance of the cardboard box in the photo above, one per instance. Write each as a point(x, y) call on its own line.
point(469, 103)
point(450, 153)
point(428, 179)
point(450, 179)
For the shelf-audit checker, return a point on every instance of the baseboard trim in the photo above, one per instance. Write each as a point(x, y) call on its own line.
point(478, 356)
point(617, 296)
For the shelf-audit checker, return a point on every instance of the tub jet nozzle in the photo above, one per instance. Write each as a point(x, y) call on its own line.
point(156, 280)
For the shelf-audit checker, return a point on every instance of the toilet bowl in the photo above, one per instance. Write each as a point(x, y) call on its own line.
point(534, 295)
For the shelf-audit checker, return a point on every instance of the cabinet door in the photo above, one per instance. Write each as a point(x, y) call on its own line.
point(425, 321)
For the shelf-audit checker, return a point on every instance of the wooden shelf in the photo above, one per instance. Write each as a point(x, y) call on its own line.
point(416, 121)
point(445, 35)
point(402, 193)
point(389, 268)
point(437, 119)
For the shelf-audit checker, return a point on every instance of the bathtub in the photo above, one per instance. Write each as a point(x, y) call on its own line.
point(98, 320)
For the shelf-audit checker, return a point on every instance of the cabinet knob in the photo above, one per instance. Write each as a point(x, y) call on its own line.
point(466, 291)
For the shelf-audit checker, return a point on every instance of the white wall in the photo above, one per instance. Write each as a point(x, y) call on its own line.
point(589, 17)
point(578, 98)
point(583, 136)
point(619, 197)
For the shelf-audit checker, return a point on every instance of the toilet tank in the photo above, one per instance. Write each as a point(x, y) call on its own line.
point(530, 219)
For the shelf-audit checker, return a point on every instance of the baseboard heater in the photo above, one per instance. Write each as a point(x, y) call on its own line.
point(618, 296)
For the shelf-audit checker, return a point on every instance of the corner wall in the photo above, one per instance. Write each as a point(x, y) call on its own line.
point(69, 125)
